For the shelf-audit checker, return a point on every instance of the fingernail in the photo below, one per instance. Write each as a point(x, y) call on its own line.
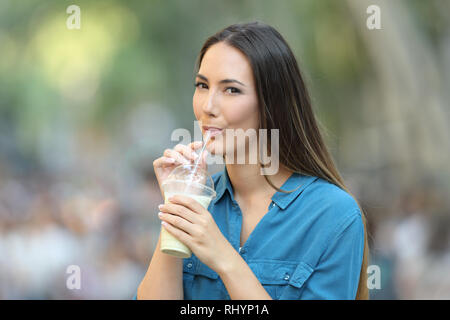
point(160, 214)
point(159, 207)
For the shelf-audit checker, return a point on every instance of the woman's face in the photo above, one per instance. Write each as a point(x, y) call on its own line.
point(225, 96)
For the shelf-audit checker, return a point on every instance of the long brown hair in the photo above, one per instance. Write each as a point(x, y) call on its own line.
point(285, 105)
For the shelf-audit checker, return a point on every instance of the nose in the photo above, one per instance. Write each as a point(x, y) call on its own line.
point(210, 105)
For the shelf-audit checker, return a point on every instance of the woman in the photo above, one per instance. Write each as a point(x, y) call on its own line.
point(296, 234)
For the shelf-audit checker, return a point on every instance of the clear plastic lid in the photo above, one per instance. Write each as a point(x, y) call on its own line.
point(192, 176)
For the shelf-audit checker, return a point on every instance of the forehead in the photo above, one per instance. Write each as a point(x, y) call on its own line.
point(221, 61)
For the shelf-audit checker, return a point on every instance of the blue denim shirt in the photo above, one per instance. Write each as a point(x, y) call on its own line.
point(309, 244)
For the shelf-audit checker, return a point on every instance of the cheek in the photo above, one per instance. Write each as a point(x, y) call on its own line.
point(243, 114)
point(196, 106)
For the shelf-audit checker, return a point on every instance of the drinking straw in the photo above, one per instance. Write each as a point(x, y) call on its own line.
point(206, 139)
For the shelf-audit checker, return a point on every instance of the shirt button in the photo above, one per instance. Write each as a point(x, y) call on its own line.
point(242, 250)
point(286, 277)
point(189, 265)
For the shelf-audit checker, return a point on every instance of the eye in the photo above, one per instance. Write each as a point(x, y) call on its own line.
point(200, 85)
point(233, 90)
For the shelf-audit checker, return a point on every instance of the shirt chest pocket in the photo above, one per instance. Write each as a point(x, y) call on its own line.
point(199, 281)
point(282, 280)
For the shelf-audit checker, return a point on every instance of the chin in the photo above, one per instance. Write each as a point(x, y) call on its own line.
point(215, 148)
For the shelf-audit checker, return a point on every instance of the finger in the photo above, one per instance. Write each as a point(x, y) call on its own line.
point(195, 145)
point(168, 161)
point(177, 233)
point(188, 202)
point(163, 162)
point(178, 222)
point(203, 160)
point(180, 211)
point(186, 152)
point(170, 153)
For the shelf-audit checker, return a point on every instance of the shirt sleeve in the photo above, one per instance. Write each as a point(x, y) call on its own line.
point(336, 277)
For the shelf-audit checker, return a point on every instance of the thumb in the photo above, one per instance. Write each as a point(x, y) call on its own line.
point(203, 160)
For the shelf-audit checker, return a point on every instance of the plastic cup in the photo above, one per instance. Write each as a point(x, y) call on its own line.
point(191, 181)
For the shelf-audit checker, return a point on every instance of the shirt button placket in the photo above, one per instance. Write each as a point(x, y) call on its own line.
point(237, 225)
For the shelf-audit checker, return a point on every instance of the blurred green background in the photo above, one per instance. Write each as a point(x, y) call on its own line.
point(83, 114)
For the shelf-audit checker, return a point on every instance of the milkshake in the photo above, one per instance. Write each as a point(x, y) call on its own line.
point(193, 182)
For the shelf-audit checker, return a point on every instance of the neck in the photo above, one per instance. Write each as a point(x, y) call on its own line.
point(248, 182)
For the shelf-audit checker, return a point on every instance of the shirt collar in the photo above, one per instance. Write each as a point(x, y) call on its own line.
point(222, 185)
point(296, 183)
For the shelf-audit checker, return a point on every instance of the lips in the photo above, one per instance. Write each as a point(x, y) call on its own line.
point(213, 130)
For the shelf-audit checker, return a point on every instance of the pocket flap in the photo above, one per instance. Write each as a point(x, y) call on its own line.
point(196, 267)
point(281, 272)
point(300, 275)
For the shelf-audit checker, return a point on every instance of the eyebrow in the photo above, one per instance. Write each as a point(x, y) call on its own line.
point(221, 81)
